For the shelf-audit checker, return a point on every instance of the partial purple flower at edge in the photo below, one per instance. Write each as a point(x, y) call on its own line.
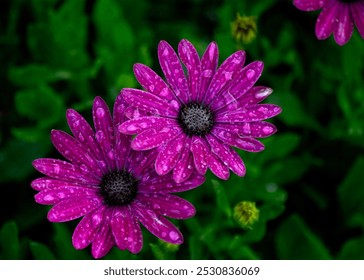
point(337, 16)
point(194, 121)
point(108, 184)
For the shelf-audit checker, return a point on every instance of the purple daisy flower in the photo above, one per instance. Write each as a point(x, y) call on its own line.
point(194, 121)
point(337, 16)
point(108, 184)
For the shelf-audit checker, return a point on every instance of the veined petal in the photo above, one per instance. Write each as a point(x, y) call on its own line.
point(132, 112)
point(144, 123)
point(344, 26)
point(184, 167)
point(87, 228)
point(157, 224)
point(357, 12)
point(73, 208)
point(126, 230)
point(191, 60)
point(64, 170)
point(152, 82)
point(218, 168)
point(149, 102)
point(152, 138)
point(46, 183)
point(141, 162)
point(173, 71)
point(104, 239)
point(309, 5)
point(200, 150)
point(168, 205)
point(209, 63)
point(326, 19)
point(249, 129)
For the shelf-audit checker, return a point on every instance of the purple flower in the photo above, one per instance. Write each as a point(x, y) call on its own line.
point(194, 121)
point(337, 16)
point(111, 186)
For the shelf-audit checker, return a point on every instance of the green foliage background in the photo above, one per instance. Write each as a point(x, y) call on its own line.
point(308, 183)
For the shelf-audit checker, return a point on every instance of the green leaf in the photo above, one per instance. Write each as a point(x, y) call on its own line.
point(221, 198)
point(41, 251)
point(280, 146)
point(30, 134)
point(158, 253)
point(9, 238)
point(196, 248)
point(240, 251)
point(31, 75)
point(353, 249)
point(294, 240)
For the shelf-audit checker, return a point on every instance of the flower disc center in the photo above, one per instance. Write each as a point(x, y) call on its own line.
point(196, 119)
point(118, 188)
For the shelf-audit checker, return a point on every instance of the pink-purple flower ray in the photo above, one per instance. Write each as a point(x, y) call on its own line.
point(152, 82)
point(87, 229)
point(137, 126)
point(73, 208)
point(152, 138)
point(249, 129)
point(148, 102)
point(157, 224)
point(46, 183)
point(200, 151)
point(218, 167)
point(173, 71)
point(326, 20)
point(357, 12)
point(224, 75)
point(169, 155)
point(64, 170)
point(141, 162)
point(227, 155)
point(191, 60)
point(184, 167)
point(209, 63)
point(74, 151)
point(344, 26)
point(169, 205)
point(104, 239)
point(308, 5)
point(55, 195)
point(132, 112)
point(126, 230)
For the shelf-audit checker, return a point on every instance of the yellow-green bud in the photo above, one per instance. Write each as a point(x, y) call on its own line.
point(244, 29)
point(246, 214)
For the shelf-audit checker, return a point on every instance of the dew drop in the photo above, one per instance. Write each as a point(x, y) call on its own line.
point(250, 73)
point(267, 129)
point(165, 52)
point(207, 73)
point(56, 168)
point(164, 92)
point(100, 136)
point(173, 235)
point(100, 112)
point(80, 137)
point(48, 197)
point(263, 93)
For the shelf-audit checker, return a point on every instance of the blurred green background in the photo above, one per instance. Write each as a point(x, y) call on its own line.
point(308, 184)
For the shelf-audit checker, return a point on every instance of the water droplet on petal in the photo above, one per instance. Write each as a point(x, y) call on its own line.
point(165, 52)
point(100, 112)
point(174, 235)
point(56, 168)
point(263, 93)
point(100, 136)
point(207, 73)
point(80, 137)
point(48, 197)
point(250, 73)
point(267, 129)
point(151, 87)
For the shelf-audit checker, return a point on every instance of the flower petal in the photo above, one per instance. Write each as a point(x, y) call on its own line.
point(149, 102)
point(73, 208)
point(226, 72)
point(87, 228)
point(218, 168)
point(200, 151)
point(308, 5)
point(173, 71)
point(157, 225)
point(132, 112)
point(168, 157)
point(126, 230)
point(184, 167)
point(191, 60)
point(249, 129)
point(152, 82)
point(168, 205)
point(152, 138)
point(209, 63)
point(344, 26)
point(46, 183)
point(357, 12)
point(144, 123)
point(141, 163)
point(326, 19)
point(227, 155)
point(104, 239)
point(64, 170)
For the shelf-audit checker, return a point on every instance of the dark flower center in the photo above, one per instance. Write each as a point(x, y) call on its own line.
point(196, 119)
point(118, 188)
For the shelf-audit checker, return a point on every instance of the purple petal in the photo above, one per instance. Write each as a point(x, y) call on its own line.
point(325, 21)
point(132, 112)
point(157, 225)
point(45, 183)
point(84, 134)
point(149, 102)
point(249, 129)
point(122, 142)
point(104, 239)
point(126, 230)
point(173, 71)
point(168, 157)
point(73, 208)
point(141, 162)
point(55, 195)
point(184, 167)
point(228, 155)
point(191, 60)
point(152, 138)
point(144, 123)
point(209, 63)
point(168, 205)
point(87, 228)
point(152, 82)
point(357, 12)
point(165, 184)
point(218, 168)
point(344, 26)
point(200, 151)
point(63, 170)
point(74, 151)
point(251, 113)
point(104, 130)
point(308, 5)
point(224, 74)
